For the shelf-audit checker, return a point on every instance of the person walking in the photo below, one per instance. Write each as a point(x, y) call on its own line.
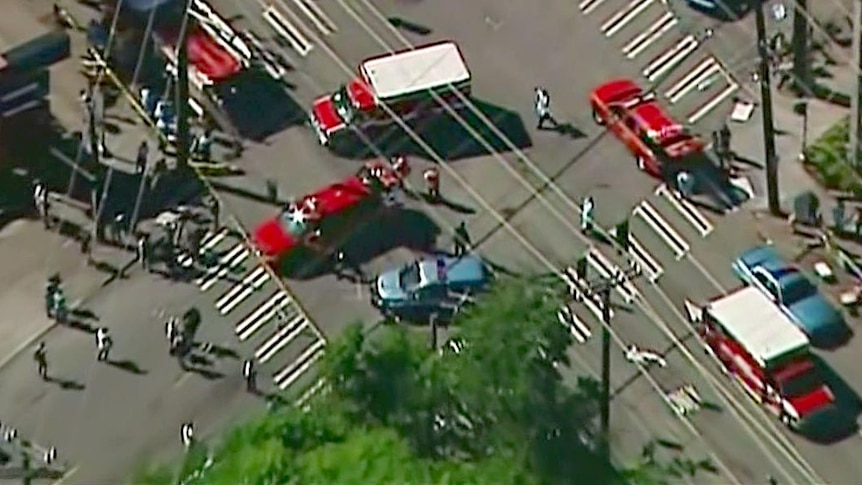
point(58, 306)
point(249, 373)
point(87, 246)
point(103, 344)
point(41, 358)
point(461, 239)
point(187, 435)
point(119, 226)
point(143, 157)
point(432, 183)
point(543, 108)
point(271, 191)
point(142, 251)
point(203, 146)
point(588, 206)
point(52, 286)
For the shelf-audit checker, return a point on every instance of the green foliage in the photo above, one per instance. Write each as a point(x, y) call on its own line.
point(496, 411)
point(827, 158)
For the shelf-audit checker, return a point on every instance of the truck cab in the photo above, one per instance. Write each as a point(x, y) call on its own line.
point(661, 145)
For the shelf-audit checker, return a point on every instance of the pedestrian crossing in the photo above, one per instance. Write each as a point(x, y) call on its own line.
point(648, 32)
point(267, 320)
point(294, 21)
point(662, 230)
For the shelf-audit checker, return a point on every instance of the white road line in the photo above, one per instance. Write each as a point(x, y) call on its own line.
point(642, 257)
point(210, 241)
point(570, 320)
point(280, 339)
point(645, 259)
point(671, 57)
point(319, 387)
point(623, 17)
point(286, 30)
point(576, 290)
point(587, 6)
point(705, 109)
point(239, 292)
point(287, 376)
point(649, 36)
point(607, 269)
point(661, 227)
point(688, 210)
point(317, 16)
point(246, 328)
point(237, 255)
point(704, 69)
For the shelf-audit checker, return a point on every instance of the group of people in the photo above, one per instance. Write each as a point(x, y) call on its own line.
point(164, 116)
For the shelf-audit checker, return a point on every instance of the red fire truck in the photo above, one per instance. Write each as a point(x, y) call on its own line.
point(759, 346)
point(403, 81)
point(661, 146)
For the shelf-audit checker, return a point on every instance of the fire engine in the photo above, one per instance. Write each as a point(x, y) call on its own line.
point(760, 348)
point(404, 81)
point(318, 223)
point(661, 146)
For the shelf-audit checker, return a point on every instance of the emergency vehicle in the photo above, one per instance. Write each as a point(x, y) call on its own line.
point(760, 348)
point(661, 146)
point(318, 223)
point(224, 67)
point(405, 82)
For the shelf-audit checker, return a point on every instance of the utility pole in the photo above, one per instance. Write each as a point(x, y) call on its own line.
point(855, 150)
point(182, 100)
point(766, 101)
point(603, 287)
point(801, 67)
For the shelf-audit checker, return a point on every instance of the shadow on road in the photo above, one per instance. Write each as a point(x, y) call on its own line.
point(849, 406)
point(66, 384)
point(128, 366)
point(405, 228)
point(446, 135)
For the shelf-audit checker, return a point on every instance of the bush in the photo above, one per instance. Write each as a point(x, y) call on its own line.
point(827, 159)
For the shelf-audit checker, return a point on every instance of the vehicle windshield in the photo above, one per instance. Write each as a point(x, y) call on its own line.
point(798, 289)
point(293, 223)
point(801, 384)
point(343, 106)
point(409, 276)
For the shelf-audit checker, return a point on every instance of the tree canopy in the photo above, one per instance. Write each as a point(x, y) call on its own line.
point(488, 407)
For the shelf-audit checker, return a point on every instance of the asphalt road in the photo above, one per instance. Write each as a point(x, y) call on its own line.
point(519, 204)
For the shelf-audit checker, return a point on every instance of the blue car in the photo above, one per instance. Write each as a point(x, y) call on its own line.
point(726, 9)
point(435, 285)
point(788, 287)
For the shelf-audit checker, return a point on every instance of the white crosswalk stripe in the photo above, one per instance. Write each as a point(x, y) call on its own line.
point(671, 58)
point(713, 102)
point(318, 18)
point(687, 209)
point(587, 6)
point(262, 314)
point(622, 17)
point(647, 37)
point(286, 29)
point(577, 288)
point(642, 258)
point(606, 269)
point(283, 336)
point(288, 375)
point(569, 319)
point(242, 290)
point(227, 263)
point(664, 229)
point(694, 79)
point(210, 241)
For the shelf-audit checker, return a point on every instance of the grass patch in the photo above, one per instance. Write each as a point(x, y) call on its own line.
point(827, 160)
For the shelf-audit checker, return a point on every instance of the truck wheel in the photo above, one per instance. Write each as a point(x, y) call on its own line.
point(598, 119)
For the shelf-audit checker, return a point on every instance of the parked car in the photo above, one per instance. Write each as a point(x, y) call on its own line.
point(438, 284)
point(793, 292)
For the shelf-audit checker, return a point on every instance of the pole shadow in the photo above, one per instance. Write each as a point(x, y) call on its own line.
point(128, 366)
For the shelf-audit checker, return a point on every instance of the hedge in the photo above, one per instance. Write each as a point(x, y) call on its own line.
point(826, 159)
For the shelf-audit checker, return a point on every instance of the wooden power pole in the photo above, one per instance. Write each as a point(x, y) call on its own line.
point(855, 148)
point(766, 109)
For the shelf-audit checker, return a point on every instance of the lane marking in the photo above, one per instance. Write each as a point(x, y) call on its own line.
point(649, 36)
point(67, 475)
point(705, 109)
point(281, 338)
point(657, 223)
point(317, 16)
point(609, 270)
point(705, 69)
point(226, 264)
point(687, 209)
point(208, 243)
point(319, 387)
point(576, 285)
point(287, 376)
point(250, 324)
point(643, 258)
point(287, 30)
point(576, 326)
point(239, 292)
point(671, 57)
point(623, 17)
point(587, 6)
